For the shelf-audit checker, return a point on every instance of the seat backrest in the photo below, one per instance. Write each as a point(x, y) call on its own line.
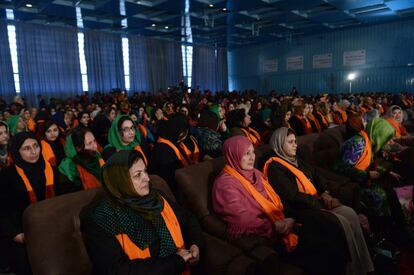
point(52, 232)
point(194, 187)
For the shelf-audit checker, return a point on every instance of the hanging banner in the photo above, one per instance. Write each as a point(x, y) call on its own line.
point(354, 58)
point(294, 63)
point(270, 66)
point(321, 61)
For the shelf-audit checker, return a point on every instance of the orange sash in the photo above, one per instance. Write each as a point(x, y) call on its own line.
point(365, 159)
point(307, 127)
point(344, 116)
point(139, 149)
point(48, 153)
point(89, 181)
point(50, 192)
point(324, 121)
point(399, 128)
point(31, 125)
point(193, 156)
point(317, 125)
point(253, 135)
point(303, 183)
point(273, 207)
point(134, 252)
point(177, 152)
point(142, 130)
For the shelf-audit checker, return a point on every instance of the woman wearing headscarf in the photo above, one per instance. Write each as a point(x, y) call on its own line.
point(359, 159)
point(220, 112)
point(81, 168)
point(168, 156)
point(5, 158)
point(238, 122)
point(245, 200)
point(135, 229)
point(52, 143)
point(395, 116)
point(306, 194)
point(299, 121)
point(101, 125)
point(30, 179)
point(124, 135)
point(209, 139)
point(16, 124)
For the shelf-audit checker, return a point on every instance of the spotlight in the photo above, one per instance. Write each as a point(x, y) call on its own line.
point(224, 9)
point(153, 25)
point(351, 76)
point(211, 5)
point(28, 5)
point(166, 27)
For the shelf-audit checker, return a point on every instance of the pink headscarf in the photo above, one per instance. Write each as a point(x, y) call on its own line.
point(234, 149)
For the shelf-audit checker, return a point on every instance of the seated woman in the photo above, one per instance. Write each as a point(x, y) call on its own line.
point(359, 159)
point(135, 229)
point(248, 204)
point(208, 136)
point(300, 122)
point(316, 126)
point(16, 125)
point(123, 135)
point(395, 117)
point(81, 168)
point(281, 116)
point(52, 144)
point(30, 179)
point(168, 156)
point(5, 159)
point(238, 122)
point(306, 195)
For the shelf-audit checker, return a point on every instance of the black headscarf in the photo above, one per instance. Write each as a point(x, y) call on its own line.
point(173, 127)
point(33, 171)
point(208, 119)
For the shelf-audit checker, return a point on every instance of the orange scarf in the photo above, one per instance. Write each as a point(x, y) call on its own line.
point(344, 116)
point(302, 181)
point(365, 159)
point(193, 156)
point(134, 252)
point(50, 192)
point(324, 121)
point(307, 127)
point(142, 130)
point(315, 121)
point(139, 149)
point(273, 208)
point(89, 181)
point(177, 152)
point(399, 128)
point(47, 153)
point(31, 125)
point(253, 135)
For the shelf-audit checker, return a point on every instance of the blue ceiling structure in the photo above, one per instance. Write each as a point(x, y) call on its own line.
point(224, 23)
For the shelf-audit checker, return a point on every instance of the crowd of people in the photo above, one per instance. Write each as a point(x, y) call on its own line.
point(115, 141)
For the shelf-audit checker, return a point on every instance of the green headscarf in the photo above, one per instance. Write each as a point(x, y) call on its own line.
point(68, 165)
point(12, 121)
point(115, 139)
point(380, 132)
point(118, 183)
point(266, 113)
point(216, 109)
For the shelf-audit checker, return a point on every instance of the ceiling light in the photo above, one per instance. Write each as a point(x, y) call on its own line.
point(210, 5)
point(29, 5)
point(166, 27)
point(224, 9)
point(153, 25)
point(351, 76)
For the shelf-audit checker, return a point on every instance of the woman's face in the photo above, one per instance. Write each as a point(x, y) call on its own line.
point(127, 132)
point(290, 146)
point(247, 120)
point(139, 178)
point(21, 125)
point(306, 110)
point(26, 114)
point(159, 114)
point(112, 115)
point(247, 161)
point(30, 150)
point(310, 108)
point(222, 112)
point(397, 115)
point(52, 133)
point(184, 111)
point(231, 107)
point(85, 119)
point(288, 115)
point(4, 135)
point(90, 142)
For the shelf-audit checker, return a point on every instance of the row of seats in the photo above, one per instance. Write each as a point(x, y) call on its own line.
point(55, 244)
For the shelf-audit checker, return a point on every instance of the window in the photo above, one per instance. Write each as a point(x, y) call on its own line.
point(11, 32)
point(186, 48)
point(125, 54)
point(81, 46)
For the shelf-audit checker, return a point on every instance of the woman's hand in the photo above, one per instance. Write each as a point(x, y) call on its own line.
point(195, 253)
point(19, 238)
point(185, 254)
point(374, 175)
point(284, 226)
point(329, 201)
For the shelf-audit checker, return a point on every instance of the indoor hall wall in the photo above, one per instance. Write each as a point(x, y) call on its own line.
point(389, 49)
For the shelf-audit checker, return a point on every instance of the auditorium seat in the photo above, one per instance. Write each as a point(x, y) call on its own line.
point(55, 245)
